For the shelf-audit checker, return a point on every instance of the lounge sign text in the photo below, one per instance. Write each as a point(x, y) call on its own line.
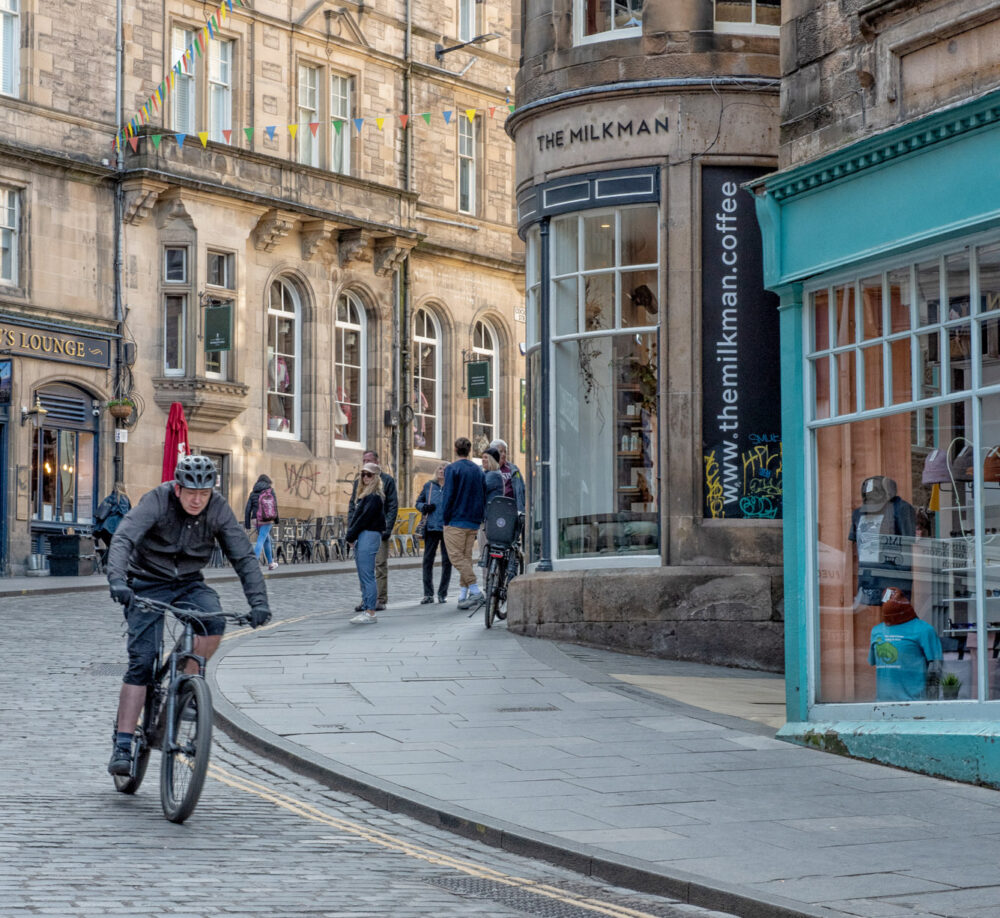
point(604, 130)
point(67, 347)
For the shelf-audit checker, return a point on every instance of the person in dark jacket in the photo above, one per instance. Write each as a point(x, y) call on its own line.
point(158, 552)
point(494, 484)
point(264, 527)
point(365, 528)
point(464, 509)
point(110, 512)
point(391, 499)
point(513, 480)
point(431, 504)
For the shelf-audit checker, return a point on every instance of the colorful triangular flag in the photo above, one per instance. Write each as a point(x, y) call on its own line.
point(249, 133)
point(203, 137)
point(447, 117)
point(493, 108)
point(314, 127)
point(180, 138)
point(403, 119)
point(511, 106)
point(338, 125)
point(156, 138)
point(293, 129)
point(379, 122)
point(133, 142)
point(358, 122)
point(211, 31)
point(471, 113)
point(426, 116)
point(228, 135)
point(269, 130)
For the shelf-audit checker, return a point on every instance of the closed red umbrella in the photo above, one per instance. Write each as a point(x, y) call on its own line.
point(175, 446)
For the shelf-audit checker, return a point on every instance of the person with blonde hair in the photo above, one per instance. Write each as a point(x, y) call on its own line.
point(364, 533)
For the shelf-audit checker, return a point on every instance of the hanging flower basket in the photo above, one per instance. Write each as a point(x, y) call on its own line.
point(120, 408)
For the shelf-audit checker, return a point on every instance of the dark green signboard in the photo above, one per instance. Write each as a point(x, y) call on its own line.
point(478, 379)
point(219, 328)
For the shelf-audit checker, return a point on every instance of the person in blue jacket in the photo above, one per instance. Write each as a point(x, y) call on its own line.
point(431, 504)
point(464, 510)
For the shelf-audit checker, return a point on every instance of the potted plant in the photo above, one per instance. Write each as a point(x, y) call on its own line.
point(950, 685)
point(121, 408)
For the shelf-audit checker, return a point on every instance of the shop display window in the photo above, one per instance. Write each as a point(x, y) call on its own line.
point(350, 370)
point(905, 431)
point(283, 370)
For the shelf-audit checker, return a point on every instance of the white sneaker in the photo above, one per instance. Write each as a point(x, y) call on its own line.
point(364, 619)
point(272, 565)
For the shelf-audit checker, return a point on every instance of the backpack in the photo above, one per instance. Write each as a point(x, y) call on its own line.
point(267, 507)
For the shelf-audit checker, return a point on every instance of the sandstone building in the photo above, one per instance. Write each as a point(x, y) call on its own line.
point(322, 190)
point(656, 453)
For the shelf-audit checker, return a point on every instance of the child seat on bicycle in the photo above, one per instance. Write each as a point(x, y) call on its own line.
point(501, 521)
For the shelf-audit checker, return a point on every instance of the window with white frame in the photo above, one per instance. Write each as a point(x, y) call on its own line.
point(308, 115)
point(184, 98)
point(467, 163)
point(341, 114)
point(467, 19)
point(10, 44)
point(426, 384)
point(221, 280)
point(600, 20)
point(220, 88)
point(284, 345)
point(175, 308)
point(350, 371)
point(903, 400)
point(485, 410)
point(10, 220)
point(761, 17)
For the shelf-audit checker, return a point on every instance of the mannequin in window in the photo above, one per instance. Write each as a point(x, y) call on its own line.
point(882, 529)
point(905, 651)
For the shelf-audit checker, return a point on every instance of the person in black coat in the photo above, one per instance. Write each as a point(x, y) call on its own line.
point(364, 533)
point(391, 508)
point(264, 526)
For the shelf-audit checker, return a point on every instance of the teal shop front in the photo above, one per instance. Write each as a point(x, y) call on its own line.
point(886, 257)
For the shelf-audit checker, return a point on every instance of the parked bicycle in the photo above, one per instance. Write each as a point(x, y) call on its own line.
point(176, 718)
point(504, 558)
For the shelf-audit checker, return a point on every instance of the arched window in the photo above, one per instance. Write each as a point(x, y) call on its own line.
point(484, 410)
point(350, 372)
point(64, 457)
point(426, 384)
point(284, 372)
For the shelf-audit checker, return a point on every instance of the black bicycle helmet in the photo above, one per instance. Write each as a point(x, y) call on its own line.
point(195, 472)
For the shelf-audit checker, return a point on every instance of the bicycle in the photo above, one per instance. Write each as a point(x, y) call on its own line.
point(504, 558)
point(176, 719)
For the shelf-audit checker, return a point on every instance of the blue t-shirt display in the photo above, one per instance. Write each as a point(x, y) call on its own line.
point(900, 654)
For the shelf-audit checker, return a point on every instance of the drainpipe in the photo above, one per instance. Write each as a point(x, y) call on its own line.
point(119, 210)
point(545, 421)
point(404, 430)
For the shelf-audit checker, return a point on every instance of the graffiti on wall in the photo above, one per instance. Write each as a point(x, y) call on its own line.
point(750, 480)
point(302, 480)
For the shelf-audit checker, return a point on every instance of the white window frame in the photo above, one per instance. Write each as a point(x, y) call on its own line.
point(184, 264)
point(341, 109)
point(468, 162)
point(613, 34)
point(181, 332)
point(973, 395)
point(355, 305)
point(10, 231)
point(467, 19)
point(10, 48)
point(309, 80)
point(725, 27)
point(184, 98)
point(226, 286)
point(425, 317)
point(274, 314)
point(490, 352)
point(221, 52)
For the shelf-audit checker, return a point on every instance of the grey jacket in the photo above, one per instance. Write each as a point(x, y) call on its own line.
point(157, 541)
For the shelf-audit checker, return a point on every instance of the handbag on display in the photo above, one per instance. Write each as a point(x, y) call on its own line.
point(991, 465)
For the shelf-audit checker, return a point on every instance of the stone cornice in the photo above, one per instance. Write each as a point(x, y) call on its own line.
point(209, 404)
point(874, 152)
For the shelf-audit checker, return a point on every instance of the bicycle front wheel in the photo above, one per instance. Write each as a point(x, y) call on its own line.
point(186, 748)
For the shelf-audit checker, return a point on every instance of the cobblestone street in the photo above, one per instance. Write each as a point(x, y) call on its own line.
point(262, 841)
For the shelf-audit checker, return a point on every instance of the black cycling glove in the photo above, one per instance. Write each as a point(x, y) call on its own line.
point(429, 508)
point(259, 615)
point(121, 592)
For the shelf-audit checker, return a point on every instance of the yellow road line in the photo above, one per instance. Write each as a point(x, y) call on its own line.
point(429, 855)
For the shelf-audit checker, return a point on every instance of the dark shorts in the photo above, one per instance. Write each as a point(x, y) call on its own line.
point(145, 629)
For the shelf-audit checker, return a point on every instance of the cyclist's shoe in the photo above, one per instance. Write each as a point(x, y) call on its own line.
point(121, 761)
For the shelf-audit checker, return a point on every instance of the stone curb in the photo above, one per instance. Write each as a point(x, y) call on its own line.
point(584, 859)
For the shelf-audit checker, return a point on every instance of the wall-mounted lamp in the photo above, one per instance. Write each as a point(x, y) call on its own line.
point(207, 299)
point(440, 50)
point(36, 413)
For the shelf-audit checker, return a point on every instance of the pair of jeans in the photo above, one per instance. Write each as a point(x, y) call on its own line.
point(461, 543)
point(264, 542)
point(382, 573)
point(365, 550)
point(432, 539)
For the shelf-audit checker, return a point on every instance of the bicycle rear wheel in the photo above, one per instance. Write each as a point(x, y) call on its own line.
point(185, 760)
point(129, 784)
point(492, 591)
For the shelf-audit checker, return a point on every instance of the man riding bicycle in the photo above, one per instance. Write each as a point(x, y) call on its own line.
point(158, 552)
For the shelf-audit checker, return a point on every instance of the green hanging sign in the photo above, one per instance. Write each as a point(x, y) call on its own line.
point(219, 328)
point(477, 376)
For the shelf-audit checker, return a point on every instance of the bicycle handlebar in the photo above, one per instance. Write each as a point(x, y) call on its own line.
point(154, 605)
